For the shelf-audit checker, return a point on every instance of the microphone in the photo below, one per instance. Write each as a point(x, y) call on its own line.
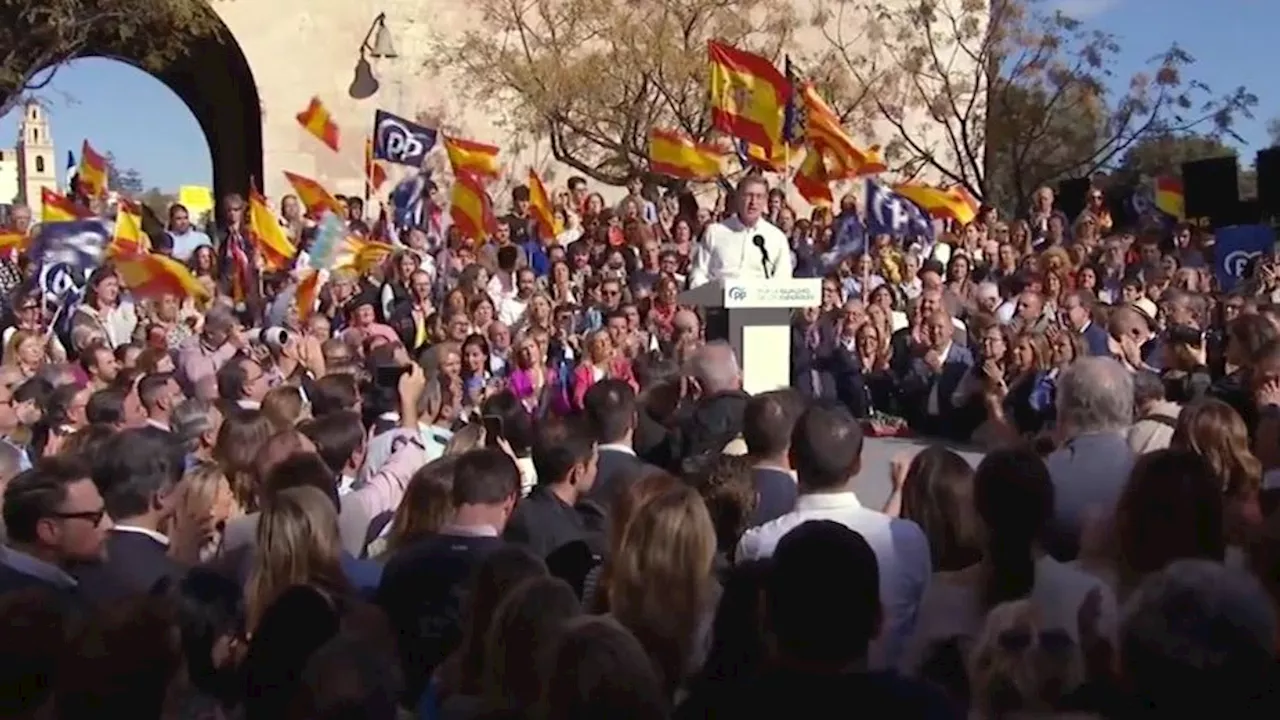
point(758, 241)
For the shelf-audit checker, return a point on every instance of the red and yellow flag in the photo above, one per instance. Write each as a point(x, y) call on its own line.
point(374, 173)
point(540, 205)
point(151, 275)
point(13, 242)
point(361, 255)
point(811, 180)
point(748, 96)
point(92, 172)
point(305, 296)
point(268, 235)
point(1170, 198)
point(128, 238)
point(940, 203)
point(824, 132)
point(468, 157)
point(471, 208)
point(60, 208)
point(317, 121)
point(313, 196)
point(675, 155)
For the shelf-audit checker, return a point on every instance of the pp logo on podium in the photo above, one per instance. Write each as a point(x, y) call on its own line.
point(737, 293)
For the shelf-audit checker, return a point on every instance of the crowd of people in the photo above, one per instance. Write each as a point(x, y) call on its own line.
point(517, 479)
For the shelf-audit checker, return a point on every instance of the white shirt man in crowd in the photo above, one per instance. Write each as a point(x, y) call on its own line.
point(729, 249)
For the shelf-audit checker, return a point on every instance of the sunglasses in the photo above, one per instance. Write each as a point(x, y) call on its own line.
point(93, 516)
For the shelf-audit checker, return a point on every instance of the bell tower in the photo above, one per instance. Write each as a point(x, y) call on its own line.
point(36, 162)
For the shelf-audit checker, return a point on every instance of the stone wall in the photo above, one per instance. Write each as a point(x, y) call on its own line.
point(300, 48)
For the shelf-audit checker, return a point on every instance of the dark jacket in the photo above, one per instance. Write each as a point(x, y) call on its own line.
point(135, 565)
point(616, 470)
point(543, 523)
point(711, 423)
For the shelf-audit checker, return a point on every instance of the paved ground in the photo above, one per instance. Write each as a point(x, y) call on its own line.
point(873, 481)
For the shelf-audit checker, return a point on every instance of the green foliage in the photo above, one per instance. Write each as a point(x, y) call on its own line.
point(41, 35)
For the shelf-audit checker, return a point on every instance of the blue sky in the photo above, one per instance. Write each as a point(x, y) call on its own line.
point(147, 127)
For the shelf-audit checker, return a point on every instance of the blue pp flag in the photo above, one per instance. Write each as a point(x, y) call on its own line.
point(848, 238)
point(890, 213)
point(409, 201)
point(1235, 246)
point(401, 141)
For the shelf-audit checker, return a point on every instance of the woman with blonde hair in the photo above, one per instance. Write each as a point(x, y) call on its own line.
point(206, 493)
point(26, 352)
point(1019, 666)
point(297, 544)
point(1214, 431)
point(661, 587)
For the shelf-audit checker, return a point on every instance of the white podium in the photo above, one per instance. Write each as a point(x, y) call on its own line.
point(759, 323)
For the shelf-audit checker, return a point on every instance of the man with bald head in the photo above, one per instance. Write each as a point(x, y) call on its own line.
point(715, 415)
point(932, 376)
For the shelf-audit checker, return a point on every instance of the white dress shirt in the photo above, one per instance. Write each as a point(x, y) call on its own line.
point(728, 251)
point(902, 553)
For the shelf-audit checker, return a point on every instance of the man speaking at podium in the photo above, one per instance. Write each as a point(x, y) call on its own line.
point(745, 245)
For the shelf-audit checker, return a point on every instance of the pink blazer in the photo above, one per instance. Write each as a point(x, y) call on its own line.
point(584, 378)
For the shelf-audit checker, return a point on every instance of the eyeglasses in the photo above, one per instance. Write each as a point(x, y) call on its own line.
point(93, 516)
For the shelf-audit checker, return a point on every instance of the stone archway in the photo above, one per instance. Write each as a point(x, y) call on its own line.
point(216, 83)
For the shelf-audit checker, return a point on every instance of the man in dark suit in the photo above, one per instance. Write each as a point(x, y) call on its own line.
point(564, 454)
point(424, 585)
point(932, 378)
point(610, 408)
point(1077, 306)
point(55, 518)
point(137, 472)
point(766, 429)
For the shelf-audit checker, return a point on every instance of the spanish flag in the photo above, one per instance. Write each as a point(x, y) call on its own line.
point(60, 208)
point(317, 121)
point(824, 132)
point(305, 296)
point(374, 173)
point(268, 235)
point(13, 242)
point(777, 161)
point(472, 158)
point(1170, 198)
point(92, 172)
point(811, 180)
point(471, 208)
point(675, 155)
point(939, 203)
point(128, 238)
point(313, 196)
point(151, 275)
point(540, 204)
point(748, 96)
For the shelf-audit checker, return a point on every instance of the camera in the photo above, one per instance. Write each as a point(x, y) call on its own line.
point(274, 337)
point(1185, 335)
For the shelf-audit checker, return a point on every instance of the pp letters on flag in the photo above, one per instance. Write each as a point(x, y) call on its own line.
point(888, 212)
point(400, 141)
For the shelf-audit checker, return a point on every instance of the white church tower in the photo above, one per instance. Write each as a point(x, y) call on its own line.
point(37, 166)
